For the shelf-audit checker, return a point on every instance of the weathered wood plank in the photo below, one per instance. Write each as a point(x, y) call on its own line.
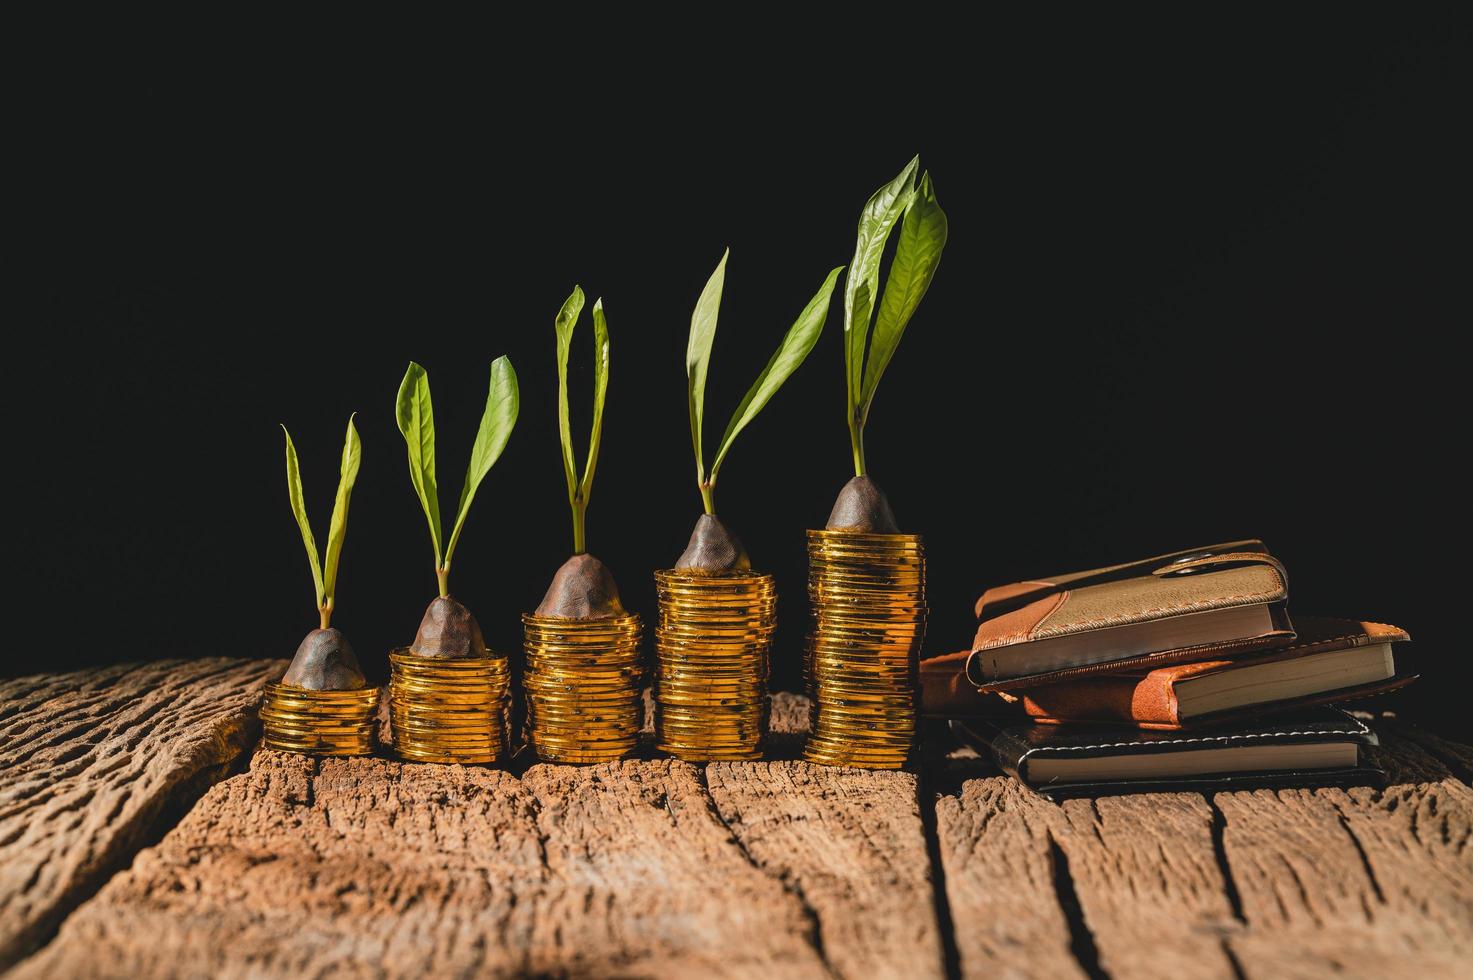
point(1455, 755)
point(300, 868)
point(372, 866)
point(647, 881)
point(850, 844)
point(1000, 860)
point(1289, 883)
point(1362, 882)
point(88, 761)
point(1129, 884)
point(1152, 892)
point(660, 868)
point(366, 866)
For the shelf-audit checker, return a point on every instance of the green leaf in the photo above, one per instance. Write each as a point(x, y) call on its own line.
point(917, 254)
point(294, 492)
point(862, 285)
point(338, 529)
point(567, 320)
point(503, 400)
point(416, 416)
point(600, 392)
point(698, 356)
point(796, 344)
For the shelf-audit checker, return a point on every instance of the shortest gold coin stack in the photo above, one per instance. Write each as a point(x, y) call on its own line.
point(868, 593)
point(584, 684)
point(448, 710)
point(711, 676)
point(295, 719)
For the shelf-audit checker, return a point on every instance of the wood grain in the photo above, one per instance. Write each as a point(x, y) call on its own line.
point(1357, 881)
point(1129, 885)
point(1000, 861)
point(1360, 882)
point(89, 761)
point(660, 868)
point(376, 867)
point(850, 845)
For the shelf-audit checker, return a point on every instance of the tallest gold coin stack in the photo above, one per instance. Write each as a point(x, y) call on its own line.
point(868, 593)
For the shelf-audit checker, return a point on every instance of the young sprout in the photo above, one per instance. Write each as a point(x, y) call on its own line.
point(325, 660)
point(448, 628)
point(875, 322)
point(583, 588)
point(713, 548)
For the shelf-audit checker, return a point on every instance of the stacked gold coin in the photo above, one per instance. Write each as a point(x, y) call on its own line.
point(448, 710)
point(868, 593)
point(712, 668)
point(295, 719)
point(585, 700)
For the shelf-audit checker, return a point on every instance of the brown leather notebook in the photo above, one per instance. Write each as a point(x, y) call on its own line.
point(1333, 660)
point(1204, 603)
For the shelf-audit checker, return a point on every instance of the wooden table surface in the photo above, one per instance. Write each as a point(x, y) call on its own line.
point(143, 834)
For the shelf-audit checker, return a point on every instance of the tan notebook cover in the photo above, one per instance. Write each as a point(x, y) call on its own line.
point(1216, 578)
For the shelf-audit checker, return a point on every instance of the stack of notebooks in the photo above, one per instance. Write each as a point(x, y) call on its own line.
point(1174, 672)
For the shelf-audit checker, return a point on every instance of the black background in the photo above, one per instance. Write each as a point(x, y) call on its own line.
point(1193, 291)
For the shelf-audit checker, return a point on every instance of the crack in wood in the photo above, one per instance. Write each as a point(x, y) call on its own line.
point(1081, 939)
point(1365, 860)
point(792, 887)
point(1232, 959)
point(927, 799)
point(1219, 850)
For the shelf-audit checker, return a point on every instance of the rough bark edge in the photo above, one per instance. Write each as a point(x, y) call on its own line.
point(210, 757)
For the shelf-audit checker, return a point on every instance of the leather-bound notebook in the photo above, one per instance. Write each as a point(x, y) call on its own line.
point(1310, 747)
point(1205, 603)
point(1332, 660)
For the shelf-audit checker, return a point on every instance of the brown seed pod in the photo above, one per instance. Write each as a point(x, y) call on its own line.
point(325, 662)
point(862, 506)
point(449, 630)
point(583, 588)
point(713, 549)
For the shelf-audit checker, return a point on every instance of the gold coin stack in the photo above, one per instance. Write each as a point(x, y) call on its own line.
point(712, 668)
point(446, 710)
point(585, 699)
point(868, 593)
point(295, 719)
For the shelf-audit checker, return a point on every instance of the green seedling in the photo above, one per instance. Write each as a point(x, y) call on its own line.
point(713, 548)
point(325, 660)
point(583, 587)
point(874, 322)
point(448, 628)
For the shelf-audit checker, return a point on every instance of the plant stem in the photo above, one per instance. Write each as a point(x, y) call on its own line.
point(442, 574)
point(324, 614)
point(856, 440)
point(708, 497)
point(580, 507)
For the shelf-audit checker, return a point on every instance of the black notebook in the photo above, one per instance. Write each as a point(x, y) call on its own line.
point(1310, 747)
